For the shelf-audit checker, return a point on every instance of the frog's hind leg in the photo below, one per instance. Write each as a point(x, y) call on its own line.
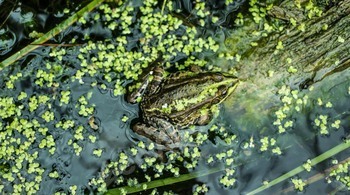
point(152, 133)
point(169, 129)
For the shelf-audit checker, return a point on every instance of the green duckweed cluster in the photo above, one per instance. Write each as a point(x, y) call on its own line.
point(340, 173)
point(158, 35)
point(113, 61)
point(294, 102)
point(299, 184)
point(324, 123)
point(291, 101)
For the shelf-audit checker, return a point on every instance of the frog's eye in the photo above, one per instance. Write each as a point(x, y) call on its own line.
point(222, 89)
point(218, 77)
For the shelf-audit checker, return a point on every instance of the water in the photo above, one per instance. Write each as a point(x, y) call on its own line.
point(97, 155)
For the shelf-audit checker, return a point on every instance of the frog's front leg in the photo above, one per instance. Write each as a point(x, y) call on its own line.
point(150, 85)
point(165, 133)
point(156, 81)
point(204, 118)
point(132, 98)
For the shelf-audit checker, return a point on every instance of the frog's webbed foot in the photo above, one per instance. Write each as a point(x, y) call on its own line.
point(152, 133)
point(159, 135)
point(168, 128)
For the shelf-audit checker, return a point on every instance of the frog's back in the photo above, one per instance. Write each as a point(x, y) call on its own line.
point(180, 93)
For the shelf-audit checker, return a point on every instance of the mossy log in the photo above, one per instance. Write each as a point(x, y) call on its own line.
point(308, 57)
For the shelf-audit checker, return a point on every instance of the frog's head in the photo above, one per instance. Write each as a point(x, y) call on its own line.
point(224, 85)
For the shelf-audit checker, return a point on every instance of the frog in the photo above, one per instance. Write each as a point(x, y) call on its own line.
point(173, 102)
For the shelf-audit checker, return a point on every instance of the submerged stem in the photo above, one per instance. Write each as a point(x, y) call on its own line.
point(339, 148)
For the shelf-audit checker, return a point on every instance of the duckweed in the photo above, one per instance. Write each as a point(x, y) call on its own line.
point(141, 144)
point(299, 184)
point(307, 165)
point(125, 118)
point(341, 173)
point(199, 189)
point(65, 96)
point(227, 181)
point(77, 148)
point(48, 116)
point(292, 69)
point(279, 45)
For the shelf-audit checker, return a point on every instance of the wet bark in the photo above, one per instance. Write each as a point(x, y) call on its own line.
point(315, 53)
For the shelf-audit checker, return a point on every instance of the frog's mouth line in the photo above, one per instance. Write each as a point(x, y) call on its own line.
point(208, 101)
point(235, 83)
point(231, 85)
